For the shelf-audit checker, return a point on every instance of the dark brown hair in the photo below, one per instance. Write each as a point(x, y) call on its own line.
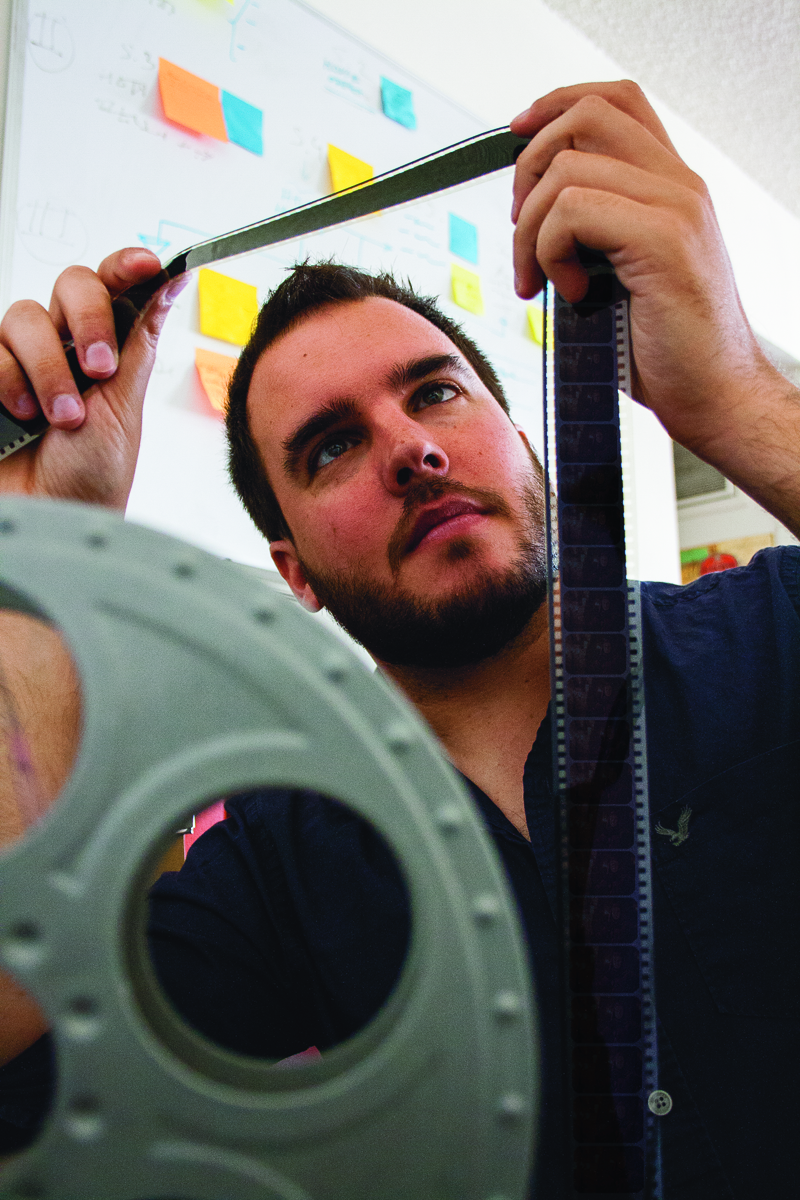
point(310, 286)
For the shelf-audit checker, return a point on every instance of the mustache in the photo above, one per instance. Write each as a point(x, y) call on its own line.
point(424, 491)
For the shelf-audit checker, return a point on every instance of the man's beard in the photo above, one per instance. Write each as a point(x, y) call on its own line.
point(469, 625)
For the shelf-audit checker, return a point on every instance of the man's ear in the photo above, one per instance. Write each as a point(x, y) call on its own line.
point(285, 558)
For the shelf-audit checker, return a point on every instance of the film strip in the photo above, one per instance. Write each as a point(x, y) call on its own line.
point(599, 756)
point(15, 434)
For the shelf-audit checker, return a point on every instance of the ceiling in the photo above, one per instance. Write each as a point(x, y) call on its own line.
point(730, 68)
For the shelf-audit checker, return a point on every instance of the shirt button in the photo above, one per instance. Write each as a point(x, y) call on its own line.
point(659, 1103)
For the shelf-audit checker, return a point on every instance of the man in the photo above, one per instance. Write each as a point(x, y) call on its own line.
point(374, 451)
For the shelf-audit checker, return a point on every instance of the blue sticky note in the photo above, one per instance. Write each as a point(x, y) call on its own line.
point(243, 122)
point(398, 103)
point(463, 239)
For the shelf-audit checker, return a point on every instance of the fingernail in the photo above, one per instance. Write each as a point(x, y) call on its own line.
point(175, 288)
point(66, 408)
point(516, 281)
point(25, 406)
point(524, 113)
point(100, 357)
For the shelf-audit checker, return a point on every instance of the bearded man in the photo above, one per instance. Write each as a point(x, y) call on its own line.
point(371, 443)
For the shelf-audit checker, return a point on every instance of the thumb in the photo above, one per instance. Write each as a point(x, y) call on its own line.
point(138, 353)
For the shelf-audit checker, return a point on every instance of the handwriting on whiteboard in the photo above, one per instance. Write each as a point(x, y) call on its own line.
point(128, 117)
point(142, 58)
point(50, 42)
point(348, 75)
point(51, 232)
point(245, 31)
point(123, 84)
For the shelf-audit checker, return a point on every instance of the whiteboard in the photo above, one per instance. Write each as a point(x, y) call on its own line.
point(92, 164)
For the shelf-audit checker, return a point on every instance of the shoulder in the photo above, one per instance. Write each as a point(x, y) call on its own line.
point(759, 600)
point(774, 570)
point(722, 669)
point(295, 820)
point(287, 842)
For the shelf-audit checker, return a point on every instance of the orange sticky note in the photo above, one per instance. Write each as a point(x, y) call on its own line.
point(191, 101)
point(466, 289)
point(215, 371)
point(228, 307)
point(346, 170)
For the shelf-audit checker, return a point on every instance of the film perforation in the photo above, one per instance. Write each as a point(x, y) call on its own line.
point(14, 436)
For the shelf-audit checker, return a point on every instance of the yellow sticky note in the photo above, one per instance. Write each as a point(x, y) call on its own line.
point(191, 101)
point(228, 307)
point(466, 289)
point(536, 323)
point(346, 170)
point(215, 371)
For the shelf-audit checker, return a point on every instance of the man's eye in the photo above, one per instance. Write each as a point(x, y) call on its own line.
point(435, 393)
point(332, 449)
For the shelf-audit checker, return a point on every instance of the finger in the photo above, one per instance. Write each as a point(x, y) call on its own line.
point(80, 310)
point(572, 168)
point(16, 393)
point(635, 237)
point(116, 273)
point(594, 126)
point(30, 336)
point(114, 407)
point(125, 393)
point(126, 267)
point(623, 94)
point(80, 307)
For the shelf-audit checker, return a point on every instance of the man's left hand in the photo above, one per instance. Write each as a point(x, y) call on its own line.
point(600, 170)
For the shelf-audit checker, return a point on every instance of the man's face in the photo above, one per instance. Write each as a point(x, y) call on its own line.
point(408, 491)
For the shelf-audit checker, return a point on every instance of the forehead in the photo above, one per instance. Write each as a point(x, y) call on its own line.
point(341, 350)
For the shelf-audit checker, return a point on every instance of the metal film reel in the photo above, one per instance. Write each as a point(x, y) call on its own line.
point(198, 681)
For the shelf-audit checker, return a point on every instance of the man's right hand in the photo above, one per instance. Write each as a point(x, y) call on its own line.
point(89, 452)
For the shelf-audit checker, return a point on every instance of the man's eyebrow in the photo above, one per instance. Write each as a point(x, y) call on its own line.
point(325, 418)
point(402, 374)
point(341, 410)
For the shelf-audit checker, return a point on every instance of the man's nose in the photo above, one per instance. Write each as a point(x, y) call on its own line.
point(410, 458)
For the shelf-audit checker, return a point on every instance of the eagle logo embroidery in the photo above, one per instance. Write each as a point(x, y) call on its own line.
point(679, 835)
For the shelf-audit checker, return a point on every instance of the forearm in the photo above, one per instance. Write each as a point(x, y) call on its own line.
point(21, 1020)
point(40, 713)
point(757, 444)
point(39, 733)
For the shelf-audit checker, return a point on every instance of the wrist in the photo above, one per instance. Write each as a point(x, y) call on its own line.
point(756, 445)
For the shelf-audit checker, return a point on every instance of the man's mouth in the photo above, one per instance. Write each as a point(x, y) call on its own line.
point(445, 513)
point(440, 504)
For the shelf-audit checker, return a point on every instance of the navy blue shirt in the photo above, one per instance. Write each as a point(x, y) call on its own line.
point(288, 925)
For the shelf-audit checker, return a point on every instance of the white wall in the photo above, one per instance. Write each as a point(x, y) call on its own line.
point(735, 516)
